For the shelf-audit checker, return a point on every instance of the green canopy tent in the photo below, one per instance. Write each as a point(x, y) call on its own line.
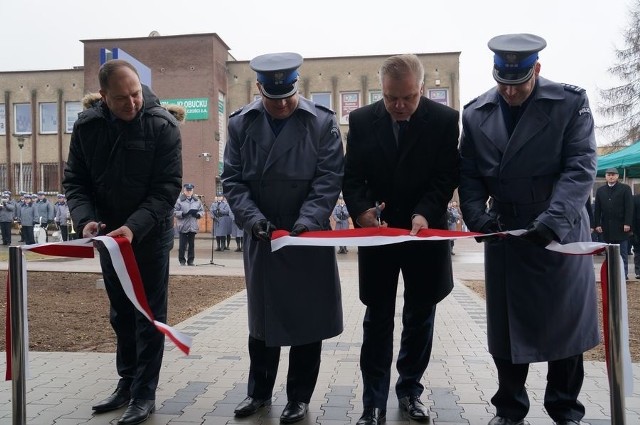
point(627, 161)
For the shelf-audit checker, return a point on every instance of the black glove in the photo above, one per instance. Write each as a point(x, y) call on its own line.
point(491, 226)
point(297, 229)
point(262, 230)
point(538, 234)
point(194, 213)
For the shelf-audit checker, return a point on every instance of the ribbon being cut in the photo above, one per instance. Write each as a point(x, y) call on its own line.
point(375, 236)
point(126, 268)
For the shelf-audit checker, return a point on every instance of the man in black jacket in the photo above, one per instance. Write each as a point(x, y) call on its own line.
point(613, 213)
point(122, 178)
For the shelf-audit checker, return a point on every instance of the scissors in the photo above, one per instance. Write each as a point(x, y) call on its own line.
point(378, 213)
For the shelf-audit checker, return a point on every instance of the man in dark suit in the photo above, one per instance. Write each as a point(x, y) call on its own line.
point(613, 213)
point(402, 166)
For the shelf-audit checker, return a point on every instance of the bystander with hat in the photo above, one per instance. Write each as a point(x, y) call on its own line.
point(187, 211)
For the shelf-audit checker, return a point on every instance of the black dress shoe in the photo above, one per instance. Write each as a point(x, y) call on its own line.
point(137, 412)
point(567, 422)
point(414, 408)
point(372, 416)
point(250, 405)
point(119, 398)
point(294, 411)
point(501, 420)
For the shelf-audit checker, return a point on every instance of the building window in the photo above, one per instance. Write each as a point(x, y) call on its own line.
point(22, 117)
point(374, 96)
point(3, 129)
point(25, 184)
point(323, 99)
point(349, 101)
point(49, 181)
point(72, 109)
point(48, 118)
point(3, 176)
point(439, 95)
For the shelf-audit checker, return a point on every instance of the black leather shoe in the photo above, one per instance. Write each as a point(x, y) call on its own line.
point(250, 405)
point(294, 411)
point(500, 420)
point(137, 412)
point(372, 416)
point(414, 408)
point(119, 398)
point(567, 422)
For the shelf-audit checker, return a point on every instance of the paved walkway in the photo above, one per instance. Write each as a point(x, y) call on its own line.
point(204, 387)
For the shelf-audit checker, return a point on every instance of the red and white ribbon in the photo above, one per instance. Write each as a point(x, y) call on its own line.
point(376, 236)
point(126, 268)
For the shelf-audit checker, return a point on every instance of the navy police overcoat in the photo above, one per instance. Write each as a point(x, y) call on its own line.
point(294, 293)
point(541, 305)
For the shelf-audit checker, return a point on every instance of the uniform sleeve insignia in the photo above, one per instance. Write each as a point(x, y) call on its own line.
point(335, 132)
point(584, 110)
point(571, 87)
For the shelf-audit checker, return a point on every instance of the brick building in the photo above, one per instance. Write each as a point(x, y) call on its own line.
point(196, 70)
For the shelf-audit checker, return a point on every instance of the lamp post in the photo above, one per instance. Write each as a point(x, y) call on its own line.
point(21, 139)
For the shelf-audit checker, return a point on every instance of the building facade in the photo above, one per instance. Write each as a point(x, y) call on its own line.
point(195, 70)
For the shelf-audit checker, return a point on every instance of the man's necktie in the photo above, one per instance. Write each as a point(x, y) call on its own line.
point(402, 131)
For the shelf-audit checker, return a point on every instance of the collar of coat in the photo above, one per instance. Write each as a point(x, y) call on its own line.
point(546, 89)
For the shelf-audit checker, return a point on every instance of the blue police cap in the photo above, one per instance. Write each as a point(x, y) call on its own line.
point(515, 57)
point(188, 186)
point(277, 73)
point(40, 192)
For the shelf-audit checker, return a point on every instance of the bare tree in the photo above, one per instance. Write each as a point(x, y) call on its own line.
point(622, 103)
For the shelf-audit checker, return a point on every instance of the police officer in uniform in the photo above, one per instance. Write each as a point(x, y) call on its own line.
point(528, 145)
point(187, 211)
point(283, 166)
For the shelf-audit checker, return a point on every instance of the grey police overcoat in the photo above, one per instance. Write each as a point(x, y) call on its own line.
point(541, 305)
point(294, 293)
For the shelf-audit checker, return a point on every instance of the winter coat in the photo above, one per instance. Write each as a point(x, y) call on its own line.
point(541, 305)
point(7, 211)
point(43, 211)
point(613, 210)
point(125, 173)
point(294, 178)
point(185, 222)
point(222, 220)
point(341, 216)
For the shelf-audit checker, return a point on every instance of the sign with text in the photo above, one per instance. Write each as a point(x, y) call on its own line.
point(348, 102)
point(197, 107)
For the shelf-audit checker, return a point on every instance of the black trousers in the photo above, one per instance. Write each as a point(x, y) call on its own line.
point(304, 366)
point(564, 381)
point(376, 353)
point(187, 243)
point(5, 228)
point(27, 235)
point(140, 345)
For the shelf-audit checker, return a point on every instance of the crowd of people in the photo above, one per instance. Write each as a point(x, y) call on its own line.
point(36, 217)
point(285, 168)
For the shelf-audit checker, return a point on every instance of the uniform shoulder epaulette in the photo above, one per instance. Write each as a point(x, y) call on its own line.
point(573, 88)
point(236, 112)
point(324, 108)
point(470, 102)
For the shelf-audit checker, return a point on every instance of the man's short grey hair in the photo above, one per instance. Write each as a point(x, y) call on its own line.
point(109, 67)
point(398, 66)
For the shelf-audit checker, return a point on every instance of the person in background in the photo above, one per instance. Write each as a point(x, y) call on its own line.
point(62, 218)
point(26, 217)
point(528, 145)
point(635, 238)
point(283, 165)
point(453, 219)
point(188, 210)
point(237, 233)
point(341, 217)
point(613, 214)
point(7, 213)
point(401, 169)
point(221, 222)
point(122, 178)
point(19, 204)
point(44, 212)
